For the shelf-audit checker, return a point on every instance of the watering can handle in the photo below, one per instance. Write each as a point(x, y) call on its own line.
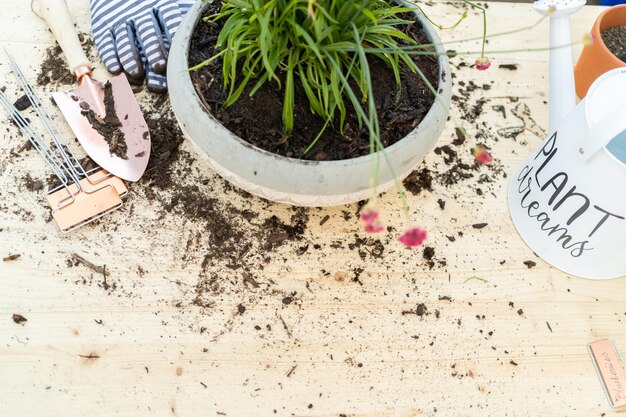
point(59, 19)
point(562, 87)
point(601, 133)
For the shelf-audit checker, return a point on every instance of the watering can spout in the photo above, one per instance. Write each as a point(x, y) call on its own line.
point(562, 99)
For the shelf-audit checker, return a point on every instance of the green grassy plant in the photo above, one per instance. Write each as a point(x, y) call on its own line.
point(313, 42)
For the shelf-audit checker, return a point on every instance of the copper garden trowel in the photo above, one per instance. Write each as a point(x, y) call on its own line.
point(105, 117)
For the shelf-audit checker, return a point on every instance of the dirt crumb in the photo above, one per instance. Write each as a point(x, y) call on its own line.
point(22, 103)
point(429, 253)
point(421, 309)
point(419, 181)
point(530, 264)
point(19, 319)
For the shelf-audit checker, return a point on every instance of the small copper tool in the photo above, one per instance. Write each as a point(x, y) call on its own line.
point(608, 361)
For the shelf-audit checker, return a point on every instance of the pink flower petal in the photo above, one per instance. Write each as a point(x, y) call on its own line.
point(369, 215)
point(374, 227)
point(413, 237)
point(482, 63)
point(482, 156)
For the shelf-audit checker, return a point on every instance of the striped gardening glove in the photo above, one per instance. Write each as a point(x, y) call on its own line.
point(134, 36)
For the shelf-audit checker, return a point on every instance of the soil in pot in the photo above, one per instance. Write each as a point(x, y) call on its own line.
point(258, 119)
point(615, 41)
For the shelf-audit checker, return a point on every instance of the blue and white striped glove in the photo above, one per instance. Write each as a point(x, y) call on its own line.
point(134, 36)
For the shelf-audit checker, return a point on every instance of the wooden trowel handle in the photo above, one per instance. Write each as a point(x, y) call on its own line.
point(58, 17)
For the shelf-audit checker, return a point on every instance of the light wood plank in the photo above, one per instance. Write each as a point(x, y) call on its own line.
point(344, 348)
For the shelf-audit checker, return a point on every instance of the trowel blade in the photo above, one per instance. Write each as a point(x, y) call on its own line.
point(129, 162)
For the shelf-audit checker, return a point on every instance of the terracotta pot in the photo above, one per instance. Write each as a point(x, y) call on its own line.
point(596, 59)
point(289, 180)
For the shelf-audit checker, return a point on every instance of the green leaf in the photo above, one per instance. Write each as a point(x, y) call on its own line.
point(289, 95)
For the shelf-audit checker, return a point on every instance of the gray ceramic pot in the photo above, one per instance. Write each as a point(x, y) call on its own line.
point(288, 180)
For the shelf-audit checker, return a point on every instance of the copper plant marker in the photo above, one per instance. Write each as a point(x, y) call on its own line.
point(608, 363)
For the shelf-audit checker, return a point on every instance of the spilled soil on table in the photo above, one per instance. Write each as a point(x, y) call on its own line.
point(233, 231)
point(225, 246)
point(54, 68)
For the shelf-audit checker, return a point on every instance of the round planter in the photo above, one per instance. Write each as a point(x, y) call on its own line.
point(289, 180)
point(596, 59)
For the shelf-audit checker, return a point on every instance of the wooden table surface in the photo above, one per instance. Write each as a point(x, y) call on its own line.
point(301, 314)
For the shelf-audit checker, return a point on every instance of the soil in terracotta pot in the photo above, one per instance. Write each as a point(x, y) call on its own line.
point(258, 119)
point(615, 41)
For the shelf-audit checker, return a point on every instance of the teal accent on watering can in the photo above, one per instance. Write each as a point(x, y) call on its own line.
point(617, 147)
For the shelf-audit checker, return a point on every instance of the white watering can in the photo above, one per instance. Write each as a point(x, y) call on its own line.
point(562, 88)
point(568, 199)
